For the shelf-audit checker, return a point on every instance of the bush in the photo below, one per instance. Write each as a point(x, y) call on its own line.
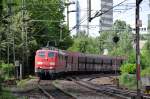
point(145, 72)
point(0, 79)
point(0, 84)
point(145, 59)
point(131, 57)
point(128, 68)
point(5, 94)
point(7, 70)
point(128, 80)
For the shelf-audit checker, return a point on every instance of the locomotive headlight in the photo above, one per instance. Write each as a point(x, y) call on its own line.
point(39, 63)
point(52, 63)
point(50, 67)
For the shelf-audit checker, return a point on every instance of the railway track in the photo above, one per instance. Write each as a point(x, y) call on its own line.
point(53, 92)
point(95, 76)
point(82, 88)
point(102, 90)
point(44, 90)
point(81, 92)
point(32, 94)
point(108, 90)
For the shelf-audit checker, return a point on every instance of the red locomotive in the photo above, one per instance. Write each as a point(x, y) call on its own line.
point(53, 61)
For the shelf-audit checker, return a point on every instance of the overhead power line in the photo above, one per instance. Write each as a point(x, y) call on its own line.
point(97, 14)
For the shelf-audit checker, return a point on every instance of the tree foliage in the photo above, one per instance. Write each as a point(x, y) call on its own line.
point(145, 54)
point(31, 27)
point(128, 68)
point(85, 44)
point(7, 70)
point(123, 31)
point(146, 72)
point(123, 46)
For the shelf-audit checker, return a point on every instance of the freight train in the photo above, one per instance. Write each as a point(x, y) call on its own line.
point(53, 61)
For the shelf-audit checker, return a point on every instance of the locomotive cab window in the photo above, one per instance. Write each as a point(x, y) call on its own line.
point(41, 54)
point(50, 54)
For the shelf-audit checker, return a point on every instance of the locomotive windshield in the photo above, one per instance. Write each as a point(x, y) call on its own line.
point(50, 54)
point(41, 54)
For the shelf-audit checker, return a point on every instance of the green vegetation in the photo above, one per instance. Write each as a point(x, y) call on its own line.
point(1, 84)
point(5, 94)
point(22, 83)
point(128, 80)
point(85, 44)
point(124, 47)
point(43, 21)
point(128, 68)
point(55, 82)
point(145, 55)
point(7, 70)
point(145, 72)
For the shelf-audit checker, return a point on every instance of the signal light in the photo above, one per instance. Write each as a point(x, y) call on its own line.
point(116, 39)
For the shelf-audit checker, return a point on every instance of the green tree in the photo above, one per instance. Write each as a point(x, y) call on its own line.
point(85, 44)
point(1, 8)
point(43, 21)
point(145, 54)
point(80, 43)
point(121, 26)
point(123, 31)
point(124, 46)
point(105, 41)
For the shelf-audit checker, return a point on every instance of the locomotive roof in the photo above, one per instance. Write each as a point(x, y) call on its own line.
point(64, 52)
point(46, 50)
point(72, 53)
point(56, 51)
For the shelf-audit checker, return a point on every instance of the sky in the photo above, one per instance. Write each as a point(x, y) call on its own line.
point(127, 14)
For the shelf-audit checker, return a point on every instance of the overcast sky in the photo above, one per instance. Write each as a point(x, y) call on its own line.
point(127, 14)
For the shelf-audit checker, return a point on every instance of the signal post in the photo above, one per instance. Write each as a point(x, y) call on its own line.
point(137, 25)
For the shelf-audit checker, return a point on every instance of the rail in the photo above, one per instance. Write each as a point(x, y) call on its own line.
point(109, 90)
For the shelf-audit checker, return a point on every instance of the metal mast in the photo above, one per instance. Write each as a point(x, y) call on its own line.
point(77, 17)
point(137, 25)
point(88, 8)
point(22, 36)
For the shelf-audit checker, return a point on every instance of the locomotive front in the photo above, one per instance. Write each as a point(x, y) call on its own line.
point(45, 62)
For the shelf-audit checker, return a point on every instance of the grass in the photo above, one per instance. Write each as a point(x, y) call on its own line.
point(146, 72)
point(5, 94)
point(22, 83)
point(56, 82)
